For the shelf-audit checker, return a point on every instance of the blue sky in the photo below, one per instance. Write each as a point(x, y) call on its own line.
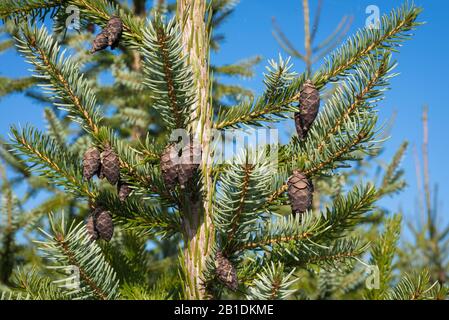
point(423, 65)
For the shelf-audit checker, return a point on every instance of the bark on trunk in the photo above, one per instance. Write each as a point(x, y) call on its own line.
point(198, 227)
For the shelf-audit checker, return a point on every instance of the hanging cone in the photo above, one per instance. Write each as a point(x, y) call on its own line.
point(100, 42)
point(179, 167)
point(100, 173)
point(309, 104)
point(300, 192)
point(168, 167)
point(226, 272)
point(189, 162)
point(90, 226)
point(110, 165)
point(114, 31)
point(123, 190)
point(91, 163)
point(104, 224)
point(109, 36)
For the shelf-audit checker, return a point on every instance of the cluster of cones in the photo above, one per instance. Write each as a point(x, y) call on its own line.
point(105, 164)
point(300, 187)
point(179, 164)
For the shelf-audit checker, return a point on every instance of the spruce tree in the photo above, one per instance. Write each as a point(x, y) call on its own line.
point(112, 158)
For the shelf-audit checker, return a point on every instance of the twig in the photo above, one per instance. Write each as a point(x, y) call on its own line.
point(419, 185)
point(307, 38)
point(425, 151)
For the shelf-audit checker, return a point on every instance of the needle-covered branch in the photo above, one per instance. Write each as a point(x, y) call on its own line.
point(309, 230)
point(70, 246)
point(368, 42)
point(168, 75)
point(61, 77)
point(49, 160)
point(241, 190)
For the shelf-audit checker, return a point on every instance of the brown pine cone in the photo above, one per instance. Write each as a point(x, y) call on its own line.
point(225, 271)
point(189, 162)
point(180, 168)
point(104, 224)
point(123, 190)
point(309, 104)
point(91, 163)
point(100, 173)
point(114, 31)
point(300, 192)
point(110, 165)
point(168, 167)
point(100, 42)
point(90, 226)
point(109, 36)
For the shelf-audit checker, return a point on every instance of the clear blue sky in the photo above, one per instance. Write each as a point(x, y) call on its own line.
point(423, 65)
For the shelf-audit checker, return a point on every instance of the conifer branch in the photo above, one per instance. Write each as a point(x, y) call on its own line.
point(382, 253)
point(167, 73)
point(8, 86)
point(367, 84)
point(71, 246)
point(12, 160)
point(9, 219)
point(55, 128)
point(330, 161)
point(345, 150)
point(38, 287)
point(61, 76)
point(394, 29)
point(338, 253)
point(240, 192)
point(329, 225)
point(49, 160)
point(416, 286)
point(392, 180)
point(346, 123)
point(61, 168)
point(273, 283)
point(271, 106)
point(100, 11)
point(11, 295)
point(22, 8)
point(147, 218)
point(96, 11)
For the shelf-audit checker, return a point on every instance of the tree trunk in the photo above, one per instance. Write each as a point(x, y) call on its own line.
point(199, 235)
